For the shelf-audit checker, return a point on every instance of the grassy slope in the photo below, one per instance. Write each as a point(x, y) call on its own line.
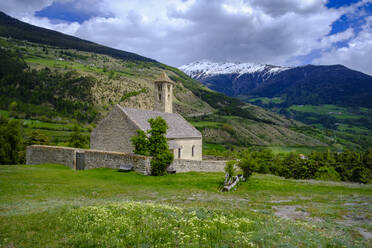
point(130, 83)
point(351, 127)
point(47, 205)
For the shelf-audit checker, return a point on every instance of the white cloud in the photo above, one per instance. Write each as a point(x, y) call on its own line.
point(357, 55)
point(180, 31)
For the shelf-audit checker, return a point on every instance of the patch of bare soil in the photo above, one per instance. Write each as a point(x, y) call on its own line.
point(290, 212)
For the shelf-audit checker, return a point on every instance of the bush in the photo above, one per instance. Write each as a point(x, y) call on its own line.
point(77, 139)
point(11, 143)
point(247, 164)
point(360, 174)
point(327, 174)
point(154, 144)
point(230, 168)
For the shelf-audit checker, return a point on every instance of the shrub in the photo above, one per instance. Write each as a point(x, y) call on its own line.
point(360, 174)
point(77, 139)
point(36, 138)
point(327, 174)
point(154, 144)
point(11, 143)
point(230, 168)
point(247, 164)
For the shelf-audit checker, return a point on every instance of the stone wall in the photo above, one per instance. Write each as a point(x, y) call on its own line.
point(184, 165)
point(38, 154)
point(117, 160)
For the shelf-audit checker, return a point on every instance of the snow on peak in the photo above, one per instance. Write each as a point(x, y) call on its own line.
point(202, 68)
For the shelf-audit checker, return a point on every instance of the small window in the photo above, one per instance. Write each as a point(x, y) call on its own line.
point(159, 87)
point(193, 151)
point(159, 96)
point(179, 152)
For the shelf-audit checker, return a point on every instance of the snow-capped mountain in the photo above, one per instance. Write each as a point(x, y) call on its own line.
point(206, 68)
point(309, 84)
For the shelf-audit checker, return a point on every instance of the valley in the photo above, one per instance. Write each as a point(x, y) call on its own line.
point(333, 99)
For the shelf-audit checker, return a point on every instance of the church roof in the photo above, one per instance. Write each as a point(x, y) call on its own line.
point(178, 127)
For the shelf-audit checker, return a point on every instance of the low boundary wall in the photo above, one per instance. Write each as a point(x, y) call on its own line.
point(117, 160)
point(76, 158)
point(38, 154)
point(184, 165)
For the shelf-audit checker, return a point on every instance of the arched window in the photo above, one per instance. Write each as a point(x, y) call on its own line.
point(193, 151)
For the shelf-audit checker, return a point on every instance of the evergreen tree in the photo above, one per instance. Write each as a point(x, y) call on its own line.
point(11, 143)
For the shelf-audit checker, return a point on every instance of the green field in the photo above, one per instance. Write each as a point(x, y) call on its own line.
point(53, 206)
point(264, 100)
point(332, 110)
point(297, 149)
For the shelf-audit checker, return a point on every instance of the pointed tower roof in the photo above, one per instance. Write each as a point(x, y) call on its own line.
point(164, 78)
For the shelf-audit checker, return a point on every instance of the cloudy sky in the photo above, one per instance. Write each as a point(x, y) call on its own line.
point(175, 32)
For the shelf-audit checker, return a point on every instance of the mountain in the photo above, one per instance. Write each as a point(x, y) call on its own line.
point(11, 27)
point(50, 80)
point(310, 84)
point(331, 97)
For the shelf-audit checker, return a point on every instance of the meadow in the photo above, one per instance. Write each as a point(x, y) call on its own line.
point(53, 206)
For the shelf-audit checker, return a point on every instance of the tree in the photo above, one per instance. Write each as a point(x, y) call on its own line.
point(11, 144)
point(36, 138)
point(154, 144)
point(230, 169)
point(248, 164)
point(77, 139)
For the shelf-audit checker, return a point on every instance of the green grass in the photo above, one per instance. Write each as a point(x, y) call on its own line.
point(36, 124)
point(206, 124)
point(264, 100)
point(332, 110)
point(297, 149)
point(4, 113)
point(53, 206)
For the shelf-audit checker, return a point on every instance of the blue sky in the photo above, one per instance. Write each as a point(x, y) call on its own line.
point(288, 32)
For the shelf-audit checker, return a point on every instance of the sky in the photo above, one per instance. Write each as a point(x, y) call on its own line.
point(176, 32)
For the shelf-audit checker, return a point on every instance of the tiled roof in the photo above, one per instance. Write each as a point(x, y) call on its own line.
point(178, 127)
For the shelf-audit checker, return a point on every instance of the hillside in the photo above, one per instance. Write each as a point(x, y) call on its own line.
point(329, 97)
point(57, 84)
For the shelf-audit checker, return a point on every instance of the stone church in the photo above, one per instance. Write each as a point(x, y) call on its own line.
point(114, 132)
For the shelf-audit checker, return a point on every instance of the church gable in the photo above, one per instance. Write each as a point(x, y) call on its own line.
point(113, 133)
point(178, 127)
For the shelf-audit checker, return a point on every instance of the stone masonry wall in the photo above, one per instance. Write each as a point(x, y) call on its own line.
point(184, 165)
point(38, 154)
point(115, 160)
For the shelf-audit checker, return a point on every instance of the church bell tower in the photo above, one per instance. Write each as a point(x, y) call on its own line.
point(164, 94)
